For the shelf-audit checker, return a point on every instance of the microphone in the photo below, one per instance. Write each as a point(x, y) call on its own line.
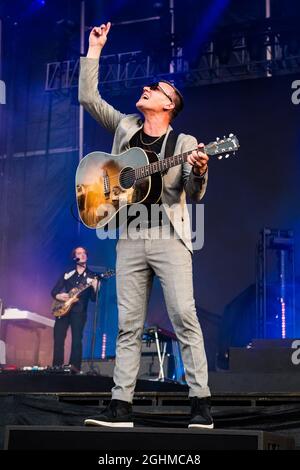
point(76, 260)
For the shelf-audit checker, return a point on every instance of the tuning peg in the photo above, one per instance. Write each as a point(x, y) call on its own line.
point(224, 136)
point(227, 155)
point(231, 135)
point(217, 139)
point(220, 157)
point(233, 153)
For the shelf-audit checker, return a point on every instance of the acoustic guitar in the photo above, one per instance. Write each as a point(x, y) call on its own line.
point(107, 183)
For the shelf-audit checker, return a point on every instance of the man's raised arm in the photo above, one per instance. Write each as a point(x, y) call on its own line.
point(88, 93)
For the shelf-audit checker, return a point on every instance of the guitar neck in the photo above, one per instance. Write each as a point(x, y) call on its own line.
point(105, 275)
point(218, 148)
point(81, 289)
point(162, 165)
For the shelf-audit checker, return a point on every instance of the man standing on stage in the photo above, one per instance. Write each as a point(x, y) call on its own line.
point(76, 317)
point(138, 260)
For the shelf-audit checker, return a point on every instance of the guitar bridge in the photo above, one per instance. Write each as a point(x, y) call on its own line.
point(106, 184)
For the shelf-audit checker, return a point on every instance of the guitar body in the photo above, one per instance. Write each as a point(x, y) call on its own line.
point(105, 185)
point(60, 308)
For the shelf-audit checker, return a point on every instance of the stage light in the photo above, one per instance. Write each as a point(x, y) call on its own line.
point(36, 4)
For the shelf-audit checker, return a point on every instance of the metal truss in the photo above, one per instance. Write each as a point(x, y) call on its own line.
point(248, 51)
point(133, 69)
point(116, 70)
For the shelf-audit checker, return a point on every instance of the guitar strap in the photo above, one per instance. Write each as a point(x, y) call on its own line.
point(170, 146)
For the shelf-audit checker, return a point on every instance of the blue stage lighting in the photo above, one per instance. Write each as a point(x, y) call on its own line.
point(40, 3)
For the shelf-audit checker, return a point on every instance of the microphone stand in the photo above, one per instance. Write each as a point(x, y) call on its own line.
point(92, 370)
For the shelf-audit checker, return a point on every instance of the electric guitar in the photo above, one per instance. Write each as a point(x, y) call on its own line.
point(106, 183)
point(61, 308)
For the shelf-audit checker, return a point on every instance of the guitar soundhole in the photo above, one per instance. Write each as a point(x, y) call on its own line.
point(127, 177)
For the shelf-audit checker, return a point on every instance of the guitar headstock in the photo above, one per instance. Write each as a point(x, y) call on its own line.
point(108, 274)
point(223, 147)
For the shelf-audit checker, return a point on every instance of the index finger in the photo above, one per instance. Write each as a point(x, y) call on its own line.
point(105, 27)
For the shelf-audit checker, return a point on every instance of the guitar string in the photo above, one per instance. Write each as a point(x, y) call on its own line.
point(132, 171)
point(128, 176)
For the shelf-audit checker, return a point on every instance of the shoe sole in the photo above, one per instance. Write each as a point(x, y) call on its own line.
point(94, 422)
point(202, 426)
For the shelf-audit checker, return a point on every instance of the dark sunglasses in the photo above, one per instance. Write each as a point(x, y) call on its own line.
point(156, 86)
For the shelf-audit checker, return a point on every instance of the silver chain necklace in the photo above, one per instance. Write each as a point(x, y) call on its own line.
point(150, 143)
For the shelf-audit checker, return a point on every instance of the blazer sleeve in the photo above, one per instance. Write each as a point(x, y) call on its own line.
point(91, 99)
point(195, 186)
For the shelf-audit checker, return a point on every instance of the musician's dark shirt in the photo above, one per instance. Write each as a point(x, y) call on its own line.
point(156, 147)
point(71, 279)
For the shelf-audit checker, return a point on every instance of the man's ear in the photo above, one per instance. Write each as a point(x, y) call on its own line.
point(169, 106)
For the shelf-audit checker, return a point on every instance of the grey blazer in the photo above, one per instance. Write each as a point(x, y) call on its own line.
point(178, 181)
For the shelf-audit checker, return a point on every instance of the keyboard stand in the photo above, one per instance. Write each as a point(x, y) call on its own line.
point(161, 338)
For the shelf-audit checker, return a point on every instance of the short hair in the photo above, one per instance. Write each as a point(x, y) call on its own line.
point(178, 101)
point(76, 248)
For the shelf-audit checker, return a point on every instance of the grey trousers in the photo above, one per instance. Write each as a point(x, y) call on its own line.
point(137, 262)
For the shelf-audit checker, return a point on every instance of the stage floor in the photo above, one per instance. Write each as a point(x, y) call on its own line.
point(248, 387)
point(253, 402)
